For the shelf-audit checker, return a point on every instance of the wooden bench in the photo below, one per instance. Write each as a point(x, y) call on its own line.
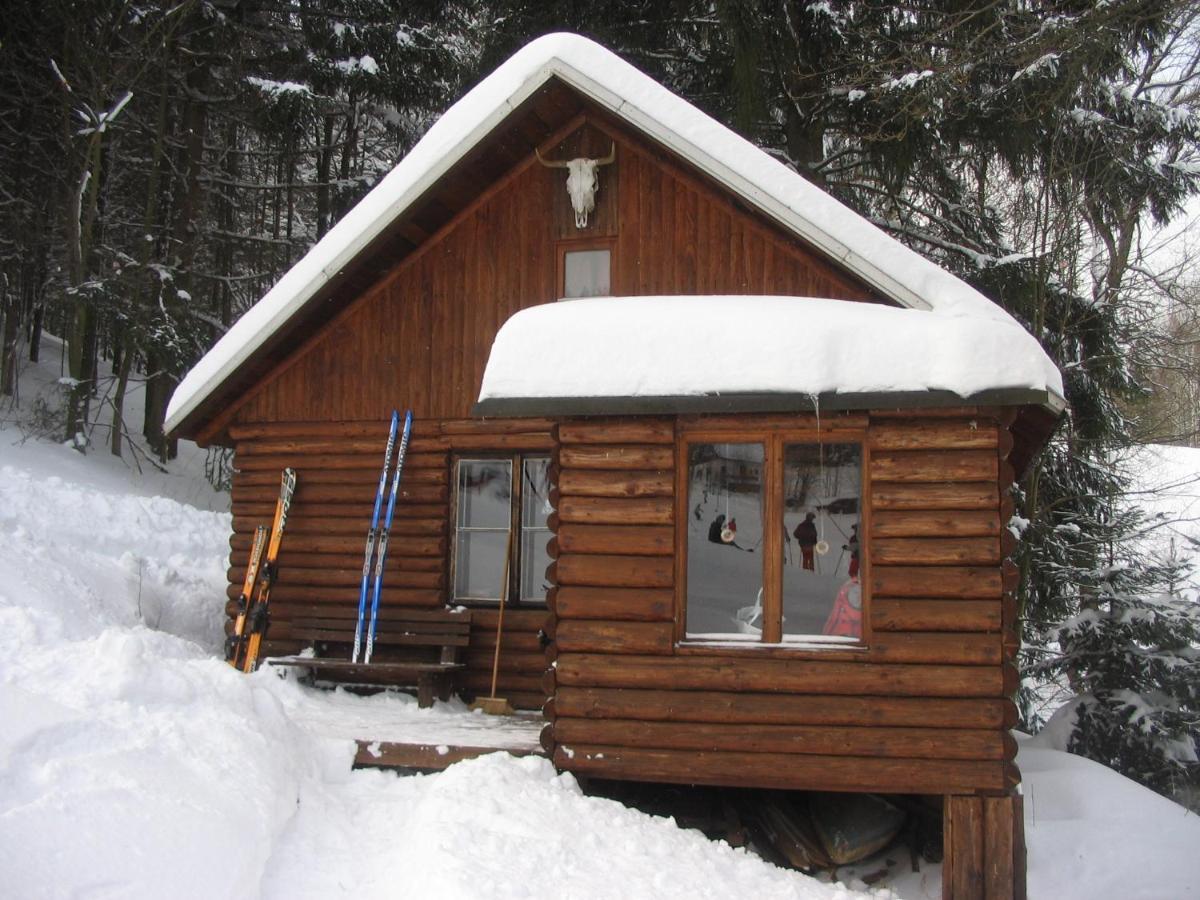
point(437, 636)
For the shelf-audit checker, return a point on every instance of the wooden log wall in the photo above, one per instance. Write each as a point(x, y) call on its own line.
point(320, 563)
point(923, 707)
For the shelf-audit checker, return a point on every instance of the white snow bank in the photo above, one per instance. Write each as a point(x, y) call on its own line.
point(615, 85)
point(135, 763)
point(690, 346)
point(1092, 833)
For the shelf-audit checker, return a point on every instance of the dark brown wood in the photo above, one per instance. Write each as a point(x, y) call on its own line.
point(965, 495)
point(980, 583)
point(592, 636)
point(629, 604)
point(424, 757)
point(638, 540)
point(781, 770)
point(604, 511)
point(614, 571)
point(935, 523)
point(962, 871)
point(913, 743)
point(914, 433)
point(934, 467)
point(953, 649)
point(748, 672)
point(618, 431)
point(783, 709)
point(940, 551)
point(619, 457)
point(600, 483)
point(914, 614)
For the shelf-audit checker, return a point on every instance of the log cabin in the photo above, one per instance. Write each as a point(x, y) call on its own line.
point(745, 458)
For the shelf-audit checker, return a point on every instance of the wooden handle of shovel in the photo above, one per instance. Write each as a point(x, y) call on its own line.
point(500, 618)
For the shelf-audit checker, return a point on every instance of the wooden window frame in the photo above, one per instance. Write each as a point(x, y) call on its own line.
point(574, 245)
point(773, 441)
point(517, 459)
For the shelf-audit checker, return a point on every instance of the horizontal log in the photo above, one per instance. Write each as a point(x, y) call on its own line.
point(963, 495)
point(618, 431)
point(423, 757)
point(978, 413)
point(488, 425)
point(479, 681)
point(618, 457)
point(522, 664)
point(784, 709)
point(289, 590)
point(305, 462)
point(786, 676)
point(518, 642)
point(346, 527)
point(394, 574)
point(346, 494)
point(934, 466)
point(601, 483)
point(636, 540)
point(363, 479)
point(290, 559)
point(934, 434)
point(592, 636)
point(786, 771)
point(377, 427)
point(968, 583)
point(310, 446)
point(939, 523)
point(614, 571)
point(536, 442)
point(263, 511)
point(606, 511)
point(515, 619)
point(935, 615)
point(400, 545)
point(912, 743)
point(974, 551)
point(629, 604)
point(941, 648)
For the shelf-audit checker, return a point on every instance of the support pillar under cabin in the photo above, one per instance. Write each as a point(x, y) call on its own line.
point(984, 848)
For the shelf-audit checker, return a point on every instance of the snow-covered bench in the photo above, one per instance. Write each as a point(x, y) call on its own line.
point(413, 647)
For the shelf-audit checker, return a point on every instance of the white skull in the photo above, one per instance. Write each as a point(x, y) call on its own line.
point(582, 184)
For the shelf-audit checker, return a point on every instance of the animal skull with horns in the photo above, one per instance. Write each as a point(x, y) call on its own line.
point(582, 181)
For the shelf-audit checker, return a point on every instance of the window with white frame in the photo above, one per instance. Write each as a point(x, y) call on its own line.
point(501, 509)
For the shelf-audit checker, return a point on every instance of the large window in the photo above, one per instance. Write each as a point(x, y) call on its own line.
point(773, 545)
point(494, 496)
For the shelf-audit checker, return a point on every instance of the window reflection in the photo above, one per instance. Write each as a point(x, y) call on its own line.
point(483, 522)
point(822, 485)
point(724, 564)
point(535, 534)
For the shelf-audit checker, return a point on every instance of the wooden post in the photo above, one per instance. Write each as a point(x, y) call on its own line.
point(984, 845)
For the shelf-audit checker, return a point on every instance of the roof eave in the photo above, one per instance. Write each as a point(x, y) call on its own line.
point(765, 402)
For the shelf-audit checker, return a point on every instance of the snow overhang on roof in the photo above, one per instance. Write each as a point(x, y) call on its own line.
point(803, 209)
point(742, 353)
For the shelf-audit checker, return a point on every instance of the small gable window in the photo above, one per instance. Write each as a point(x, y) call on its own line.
point(586, 273)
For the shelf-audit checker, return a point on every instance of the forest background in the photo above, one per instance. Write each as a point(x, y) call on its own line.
point(162, 164)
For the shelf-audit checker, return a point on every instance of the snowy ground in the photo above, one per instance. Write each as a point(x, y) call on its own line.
point(135, 763)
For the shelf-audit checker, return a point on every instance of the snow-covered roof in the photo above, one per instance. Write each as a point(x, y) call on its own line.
point(613, 84)
point(662, 354)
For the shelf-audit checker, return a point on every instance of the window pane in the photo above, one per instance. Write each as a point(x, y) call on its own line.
point(535, 508)
point(586, 273)
point(479, 564)
point(724, 575)
point(484, 493)
point(822, 485)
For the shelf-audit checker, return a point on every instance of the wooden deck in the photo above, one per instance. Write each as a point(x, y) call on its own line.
point(426, 757)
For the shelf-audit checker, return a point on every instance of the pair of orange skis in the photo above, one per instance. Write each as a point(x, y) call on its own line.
point(242, 647)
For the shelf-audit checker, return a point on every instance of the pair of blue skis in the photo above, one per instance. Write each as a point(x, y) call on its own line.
point(377, 538)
